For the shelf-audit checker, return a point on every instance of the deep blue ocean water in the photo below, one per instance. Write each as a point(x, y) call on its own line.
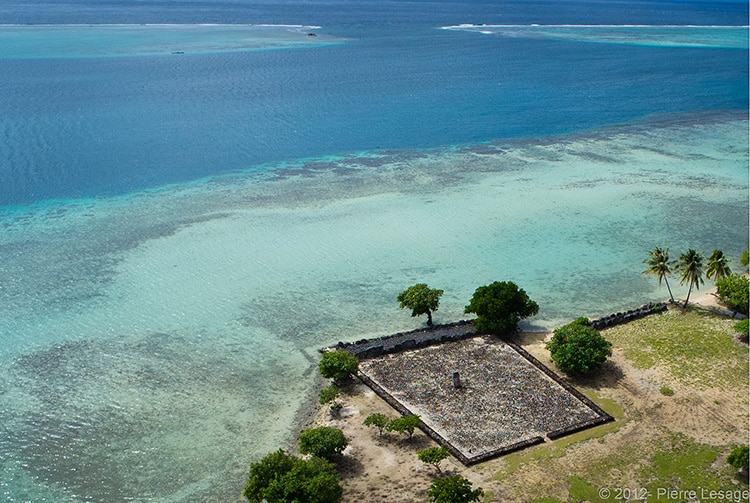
point(82, 127)
point(187, 213)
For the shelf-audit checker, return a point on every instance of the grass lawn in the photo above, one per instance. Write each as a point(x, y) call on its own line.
point(677, 368)
point(698, 347)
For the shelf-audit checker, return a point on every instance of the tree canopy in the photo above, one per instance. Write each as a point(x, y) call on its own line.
point(433, 456)
point(404, 424)
point(690, 267)
point(453, 489)
point(283, 478)
point(338, 365)
point(718, 265)
point(499, 307)
point(578, 348)
point(329, 394)
point(659, 265)
point(743, 328)
point(380, 421)
point(421, 299)
point(739, 457)
point(322, 442)
point(733, 292)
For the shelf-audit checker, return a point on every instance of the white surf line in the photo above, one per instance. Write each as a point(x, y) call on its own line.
point(465, 26)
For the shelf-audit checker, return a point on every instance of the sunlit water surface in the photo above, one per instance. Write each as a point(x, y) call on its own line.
point(165, 339)
point(191, 210)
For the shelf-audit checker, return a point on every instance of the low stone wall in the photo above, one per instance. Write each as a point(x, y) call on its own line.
point(633, 314)
point(552, 435)
point(403, 341)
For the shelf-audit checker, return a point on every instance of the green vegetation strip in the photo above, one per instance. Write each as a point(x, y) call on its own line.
point(697, 347)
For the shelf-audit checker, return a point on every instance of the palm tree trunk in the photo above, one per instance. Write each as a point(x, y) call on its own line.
point(671, 297)
point(688, 296)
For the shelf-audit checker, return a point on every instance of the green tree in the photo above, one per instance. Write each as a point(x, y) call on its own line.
point(739, 457)
point(421, 299)
point(322, 442)
point(282, 478)
point(578, 348)
point(659, 265)
point(404, 424)
point(500, 306)
point(378, 420)
point(743, 328)
point(338, 365)
point(718, 266)
point(453, 489)
point(733, 292)
point(433, 456)
point(329, 394)
point(690, 267)
point(745, 258)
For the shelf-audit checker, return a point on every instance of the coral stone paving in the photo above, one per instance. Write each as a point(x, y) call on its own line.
point(504, 398)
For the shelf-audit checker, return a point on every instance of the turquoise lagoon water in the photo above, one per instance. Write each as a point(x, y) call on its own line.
point(112, 40)
point(162, 341)
point(181, 232)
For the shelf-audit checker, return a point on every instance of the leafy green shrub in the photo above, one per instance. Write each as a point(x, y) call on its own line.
point(433, 456)
point(499, 307)
point(743, 328)
point(322, 442)
point(338, 365)
point(329, 394)
point(577, 348)
point(739, 457)
point(453, 489)
point(282, 478)
point(666, 391)
point(378, 420)
point(733, 292)
point(404, 424)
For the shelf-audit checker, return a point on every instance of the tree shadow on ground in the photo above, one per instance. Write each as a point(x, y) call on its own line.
point(349, 467)
point(610, 375)
point(416, 442)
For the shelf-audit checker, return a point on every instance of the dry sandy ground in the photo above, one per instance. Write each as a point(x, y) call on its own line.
point(385, 468)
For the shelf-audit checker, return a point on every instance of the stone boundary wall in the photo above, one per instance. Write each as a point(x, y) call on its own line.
point(403, 341)
point(422, 337)
point(633, 314)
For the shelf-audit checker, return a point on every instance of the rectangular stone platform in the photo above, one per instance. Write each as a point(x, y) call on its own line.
point(506, 400)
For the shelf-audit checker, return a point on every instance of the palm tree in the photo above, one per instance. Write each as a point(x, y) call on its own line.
point(691, 269)
point(718, 266)
point(658, 264)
